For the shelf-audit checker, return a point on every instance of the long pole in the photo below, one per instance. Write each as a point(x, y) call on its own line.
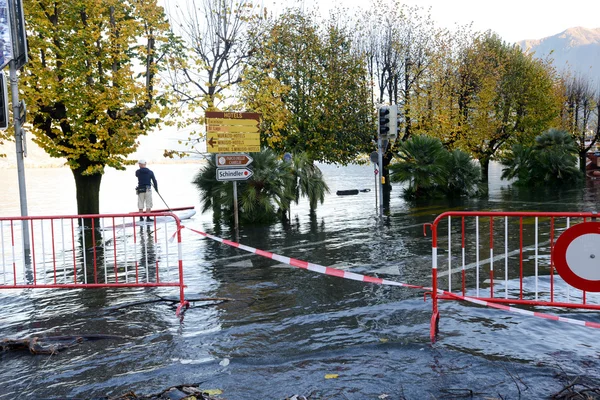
point(380, 161)
point(235, 209)
point(169, 208)
point(376, 173)
point(19, 137)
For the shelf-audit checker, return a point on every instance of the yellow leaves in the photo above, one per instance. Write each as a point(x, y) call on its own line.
point(88, 86)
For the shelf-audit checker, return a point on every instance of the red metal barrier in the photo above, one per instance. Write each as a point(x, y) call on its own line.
point(92, 251)
point(511, 258)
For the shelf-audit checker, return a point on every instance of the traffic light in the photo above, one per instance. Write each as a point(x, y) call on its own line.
point(388, 121)
point(384, 120)
point(3, 102)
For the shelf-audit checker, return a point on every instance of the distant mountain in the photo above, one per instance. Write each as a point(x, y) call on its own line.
point(576, 50)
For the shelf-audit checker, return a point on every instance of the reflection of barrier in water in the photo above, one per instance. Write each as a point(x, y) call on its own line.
point(92, 251)
point(504, 258)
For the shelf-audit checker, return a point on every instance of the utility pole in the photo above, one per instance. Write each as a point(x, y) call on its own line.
point(18, 56)
point(18, 112)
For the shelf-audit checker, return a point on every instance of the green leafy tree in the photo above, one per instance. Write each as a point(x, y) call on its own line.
point(90, 84)
point(314, 75)
point(504, 96)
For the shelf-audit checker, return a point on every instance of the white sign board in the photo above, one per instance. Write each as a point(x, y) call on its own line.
point(233, 174)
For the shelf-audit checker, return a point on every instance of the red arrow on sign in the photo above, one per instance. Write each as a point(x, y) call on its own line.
point(211, 141)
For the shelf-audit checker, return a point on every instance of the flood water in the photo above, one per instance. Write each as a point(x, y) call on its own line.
point(289, 331)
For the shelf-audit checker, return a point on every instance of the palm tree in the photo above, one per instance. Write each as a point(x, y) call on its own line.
point(267, 192)
point(517, 163)
point(421, 162)
point(556, 155)
point(213, 192)
point(462, 175)
point(270, 191)
point(308, 181)
point(552, 160)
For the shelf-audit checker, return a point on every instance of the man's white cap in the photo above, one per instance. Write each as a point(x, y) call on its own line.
point(143, 162)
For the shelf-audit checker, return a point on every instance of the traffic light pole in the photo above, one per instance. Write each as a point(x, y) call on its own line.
point(380, 150)
point(14, 87)
point(387, 129)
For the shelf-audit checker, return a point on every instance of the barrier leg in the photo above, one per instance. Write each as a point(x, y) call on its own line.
point(435, 325)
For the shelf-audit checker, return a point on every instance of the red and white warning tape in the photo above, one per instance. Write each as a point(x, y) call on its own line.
point(363, 278)
point(521, 311)
point(309, 266)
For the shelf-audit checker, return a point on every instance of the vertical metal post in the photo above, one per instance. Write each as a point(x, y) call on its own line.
point(235, 208)
point(376, 173)
point(380, 161)
point(14, 87)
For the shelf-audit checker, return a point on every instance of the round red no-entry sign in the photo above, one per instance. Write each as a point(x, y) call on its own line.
point(577, 256)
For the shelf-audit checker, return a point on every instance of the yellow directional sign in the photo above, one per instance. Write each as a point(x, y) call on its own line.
point(224, 139)
point(232, 136)
point(230, 128)
point(230, 121)
point(232, 132)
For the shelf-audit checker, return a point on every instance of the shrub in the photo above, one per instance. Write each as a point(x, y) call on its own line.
point(550, 161)
point(432, 171)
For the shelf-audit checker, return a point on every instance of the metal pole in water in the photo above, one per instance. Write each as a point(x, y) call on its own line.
point(235, 208)
point(19, 139)
point(376, 173)
point(375, 160)
point(380, 162)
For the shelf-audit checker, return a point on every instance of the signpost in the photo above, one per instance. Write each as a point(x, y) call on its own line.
point(232, 132)
point(224, 134)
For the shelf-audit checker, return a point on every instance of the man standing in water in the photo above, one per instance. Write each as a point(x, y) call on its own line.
point(144, 188)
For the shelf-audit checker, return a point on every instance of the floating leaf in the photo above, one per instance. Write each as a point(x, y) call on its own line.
point(331, 376)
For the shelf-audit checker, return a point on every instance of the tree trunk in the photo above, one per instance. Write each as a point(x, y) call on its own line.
point(88, 192)
point(582, 161)
point(485, 169)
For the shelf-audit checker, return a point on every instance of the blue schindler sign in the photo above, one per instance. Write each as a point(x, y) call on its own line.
point(6, 44)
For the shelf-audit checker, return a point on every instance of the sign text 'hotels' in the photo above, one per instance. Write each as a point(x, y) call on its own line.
point(232, 132)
